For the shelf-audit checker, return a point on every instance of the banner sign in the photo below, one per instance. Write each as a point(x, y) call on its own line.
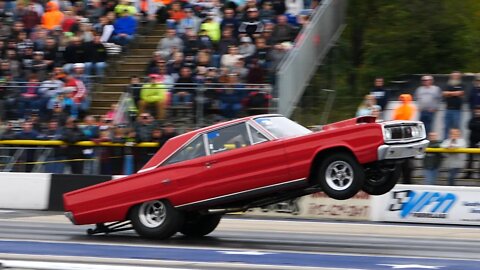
point(428, 204)
point(319, 206)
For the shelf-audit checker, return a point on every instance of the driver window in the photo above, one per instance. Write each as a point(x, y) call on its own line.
point(193, 150)
point(229, 138)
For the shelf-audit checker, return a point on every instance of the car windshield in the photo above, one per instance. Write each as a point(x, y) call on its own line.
point(282, 127)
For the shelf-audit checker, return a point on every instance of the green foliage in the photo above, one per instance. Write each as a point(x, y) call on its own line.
point(390, 38)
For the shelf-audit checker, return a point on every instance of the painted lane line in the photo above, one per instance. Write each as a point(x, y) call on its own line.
point(214, 256)
point(411, 266)
point(243, 252)
point(39, 265)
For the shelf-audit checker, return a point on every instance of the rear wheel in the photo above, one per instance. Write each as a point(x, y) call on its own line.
point(156, 219)
point(340, 176)
point(200, 225)
point(379, 181)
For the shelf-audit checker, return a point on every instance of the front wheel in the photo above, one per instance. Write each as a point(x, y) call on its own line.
point(379, 181)
point(201, 225)
point(156, 219)
point(340, 176)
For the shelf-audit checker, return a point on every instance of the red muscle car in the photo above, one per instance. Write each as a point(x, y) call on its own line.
point(250, 162)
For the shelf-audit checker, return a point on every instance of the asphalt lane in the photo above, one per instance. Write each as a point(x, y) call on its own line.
point(247, 244)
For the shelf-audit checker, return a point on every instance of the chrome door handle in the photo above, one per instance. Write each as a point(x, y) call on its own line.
point(209, 164)
point(166, 181)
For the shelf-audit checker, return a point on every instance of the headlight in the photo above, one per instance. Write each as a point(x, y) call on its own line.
point(387, 134)
point(416, 131)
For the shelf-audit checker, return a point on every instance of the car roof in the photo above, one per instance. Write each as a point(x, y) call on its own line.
point(175, 143)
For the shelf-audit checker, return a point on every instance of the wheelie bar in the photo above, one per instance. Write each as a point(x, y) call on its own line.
point(119, 226)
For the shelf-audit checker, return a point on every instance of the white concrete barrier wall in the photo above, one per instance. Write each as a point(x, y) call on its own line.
point(24, 191)
point(428, 204)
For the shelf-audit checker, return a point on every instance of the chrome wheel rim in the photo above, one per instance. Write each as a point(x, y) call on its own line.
point(152, 214)
point(339, 175)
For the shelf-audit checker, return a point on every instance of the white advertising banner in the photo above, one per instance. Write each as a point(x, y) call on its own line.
point(319, 206)
point(428, 204)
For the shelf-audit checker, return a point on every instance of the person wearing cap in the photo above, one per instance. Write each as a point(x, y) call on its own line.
point(428, 98)
point(252, 25)
point(474, 97)
point(453, 96)
point(153, 93)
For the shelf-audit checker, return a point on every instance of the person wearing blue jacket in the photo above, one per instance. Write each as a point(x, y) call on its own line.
point(125, 29)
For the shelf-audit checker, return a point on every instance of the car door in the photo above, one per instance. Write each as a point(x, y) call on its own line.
point(243, 161)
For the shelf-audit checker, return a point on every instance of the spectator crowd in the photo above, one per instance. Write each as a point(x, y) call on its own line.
point(424, 105)
point(52, 52)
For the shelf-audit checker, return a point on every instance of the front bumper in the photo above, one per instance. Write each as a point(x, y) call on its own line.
point(401, 151)
point(69, 215)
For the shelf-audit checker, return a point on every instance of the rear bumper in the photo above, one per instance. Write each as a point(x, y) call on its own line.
point(401, 151)
point(69, 215)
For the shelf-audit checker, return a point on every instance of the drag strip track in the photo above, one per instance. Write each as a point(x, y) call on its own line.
point(250, 242)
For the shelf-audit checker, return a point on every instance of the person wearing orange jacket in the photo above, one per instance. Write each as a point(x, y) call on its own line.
point(53, 17)
point(406, 111)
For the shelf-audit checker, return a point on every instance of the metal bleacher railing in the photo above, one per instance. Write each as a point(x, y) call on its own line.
point(311, 46)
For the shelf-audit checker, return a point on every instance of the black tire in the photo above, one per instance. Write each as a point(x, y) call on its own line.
point(380, 181)
point(156, 219)
point(200, 225)
point(340, 176)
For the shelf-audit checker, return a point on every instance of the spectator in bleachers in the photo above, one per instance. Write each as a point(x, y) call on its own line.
point(474, 140)
point(380, 93)
point(454, 161)
point(51, 54)
point(105, 28)
point(240, 69)
point(126, 6)
point(257, 101)
point(90, 128)
point(367, 105)
point(251, 25)
point(432, 161)
point(163, 77)
point(474, 97)
point(228, 60)
point(227, 40)
point(125, 28)
point(12, 65)
point(453, 96)
point(134, 89)
point(246, 49)
point(39, 39)
point(266, 12)
point(294, 7)
point(229, 21)
point(211, 28)
point(261, 52)
point(256, 73)
point(175, 64)
point(176, 14)
point(153, 94)
point(170, 42)
point(39, 65)
point(428, 97)
point(78, 93)
point(27, 132)
point(74, 53)
point(283, 31)
point(73, 134)
point(231, 98)
point(3, 99)
point(54, 132)
point(53, 17)
point(191, 43)
point(30, 18)
point(29, 98)
point(183, 91)
point(48, 90)
point(69, 23)
point(276, 55)
point(61, 107)
point(191, 21)
point(96, 57)
point(205, 42)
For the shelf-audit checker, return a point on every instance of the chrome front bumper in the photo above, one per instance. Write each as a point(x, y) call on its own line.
point(400, 151)
point(69, 215)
